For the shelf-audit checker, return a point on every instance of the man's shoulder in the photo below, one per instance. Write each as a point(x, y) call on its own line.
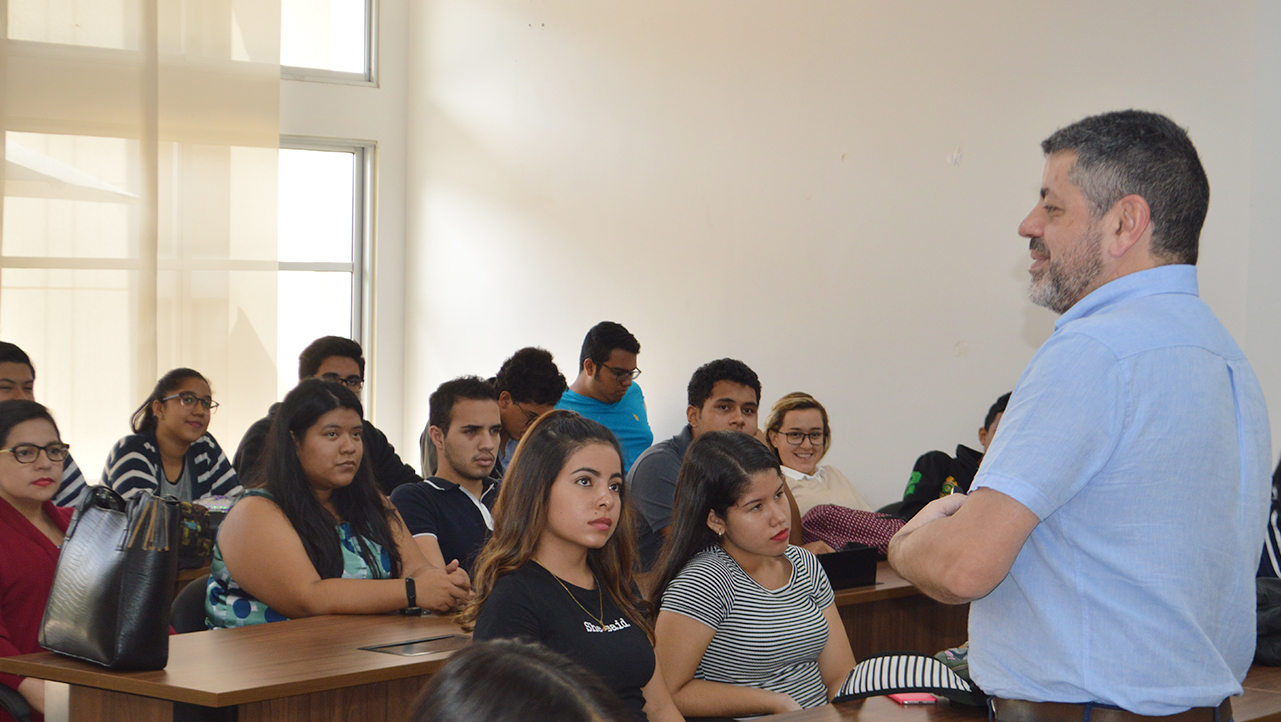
point(372, 434)
point(661, 458)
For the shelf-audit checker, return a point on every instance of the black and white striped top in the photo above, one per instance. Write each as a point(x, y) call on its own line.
point(134, 465)
point(770, 639)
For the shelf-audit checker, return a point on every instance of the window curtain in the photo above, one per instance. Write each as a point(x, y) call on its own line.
point(139, 215)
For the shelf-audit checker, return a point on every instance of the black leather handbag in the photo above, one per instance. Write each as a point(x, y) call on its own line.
point(114, 584)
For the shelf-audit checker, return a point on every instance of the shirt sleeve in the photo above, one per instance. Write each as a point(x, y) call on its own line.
point(8, 649)
point(128, 471)
point(1064, 421)
point(702, 591)
point(73, 484)
point(652, 484)
point(508, 613)
point(820, 586)
point(220, 479)
point(417, 508)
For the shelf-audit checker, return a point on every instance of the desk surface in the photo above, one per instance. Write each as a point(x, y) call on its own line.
point(1260, 703)
point(225, 667)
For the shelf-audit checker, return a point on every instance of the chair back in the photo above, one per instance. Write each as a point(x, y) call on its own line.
point(189, 607)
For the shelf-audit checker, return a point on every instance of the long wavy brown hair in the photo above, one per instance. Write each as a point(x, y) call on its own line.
point(520, 516)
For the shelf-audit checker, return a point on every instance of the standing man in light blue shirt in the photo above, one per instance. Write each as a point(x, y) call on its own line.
point(1109, 542)
point(606, 390)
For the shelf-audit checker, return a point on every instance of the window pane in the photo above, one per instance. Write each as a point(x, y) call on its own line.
point(317, 194)
point(75, 326)
point(69, 196)
point(310, 304)
point(324, 34)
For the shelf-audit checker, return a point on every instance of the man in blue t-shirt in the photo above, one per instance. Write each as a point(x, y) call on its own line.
point(605, 390)
point(1110, 539)
point(449, 512)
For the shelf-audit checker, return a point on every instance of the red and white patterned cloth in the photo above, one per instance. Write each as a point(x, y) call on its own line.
point(839, 526)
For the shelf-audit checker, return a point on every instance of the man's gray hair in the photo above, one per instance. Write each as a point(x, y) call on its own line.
point(1134, 152)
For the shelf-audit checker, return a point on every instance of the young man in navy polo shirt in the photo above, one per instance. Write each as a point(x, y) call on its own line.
point(449, 513)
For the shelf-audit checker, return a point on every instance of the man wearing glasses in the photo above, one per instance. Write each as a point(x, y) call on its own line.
point(724, 395)
point(605, 390)
point(339, 360)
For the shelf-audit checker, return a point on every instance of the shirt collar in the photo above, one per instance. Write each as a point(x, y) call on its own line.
point(791, 473)
point(1177, 278)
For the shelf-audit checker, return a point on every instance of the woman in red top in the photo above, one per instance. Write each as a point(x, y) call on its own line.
point(31, 531)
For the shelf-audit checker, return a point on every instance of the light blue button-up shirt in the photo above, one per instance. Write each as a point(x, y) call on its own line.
point(1139, 437)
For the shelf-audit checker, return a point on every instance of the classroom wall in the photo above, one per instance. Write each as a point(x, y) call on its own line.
point(827, 190)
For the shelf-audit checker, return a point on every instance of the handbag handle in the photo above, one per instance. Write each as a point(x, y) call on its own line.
point(98, 496)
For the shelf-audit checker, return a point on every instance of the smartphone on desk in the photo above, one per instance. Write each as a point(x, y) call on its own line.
point(914, 698)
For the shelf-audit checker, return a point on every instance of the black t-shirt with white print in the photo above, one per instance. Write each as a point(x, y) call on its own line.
point(530, 603)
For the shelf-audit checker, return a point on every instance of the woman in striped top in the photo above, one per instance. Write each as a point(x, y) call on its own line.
point(747, 623)
point(171, 452)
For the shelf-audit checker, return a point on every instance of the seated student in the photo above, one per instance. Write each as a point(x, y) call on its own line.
point(558, 569)
point(723, 395)
point(605, 390)
point(798, 432)
point(315, 535)
point(31, 532)
point(936, 474)
point(171, 452)
point(528, 385)
point(17, 381)
point(511, 681)
point(1270, 564)
point(449, 513)
point(747, 624)
point(341, 360)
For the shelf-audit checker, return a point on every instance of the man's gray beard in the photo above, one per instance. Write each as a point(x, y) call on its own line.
point(1061, 284)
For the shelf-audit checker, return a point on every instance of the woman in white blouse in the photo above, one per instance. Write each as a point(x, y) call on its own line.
point(798, 432)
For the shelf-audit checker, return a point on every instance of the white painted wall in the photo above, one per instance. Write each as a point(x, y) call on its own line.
point(827, 190)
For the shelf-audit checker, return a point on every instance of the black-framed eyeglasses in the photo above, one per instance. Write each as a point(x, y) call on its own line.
point(188, 399)
point(352, 382)
point(796, 437)
point(27, 453)
point(530, 417)
point(621, 374)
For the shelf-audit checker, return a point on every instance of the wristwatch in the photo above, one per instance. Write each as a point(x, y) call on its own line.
point(411, 593)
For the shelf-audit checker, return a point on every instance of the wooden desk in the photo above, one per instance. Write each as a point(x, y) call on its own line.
point(895, 616)
point(305, 669)
point(1260, 703)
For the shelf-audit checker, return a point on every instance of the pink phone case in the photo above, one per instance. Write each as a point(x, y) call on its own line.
point(914, 698)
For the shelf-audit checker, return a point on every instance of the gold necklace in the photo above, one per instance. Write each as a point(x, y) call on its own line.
point(598, 619)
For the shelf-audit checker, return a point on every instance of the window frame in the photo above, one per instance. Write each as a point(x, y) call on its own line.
point(365, 170)
point(337, 77)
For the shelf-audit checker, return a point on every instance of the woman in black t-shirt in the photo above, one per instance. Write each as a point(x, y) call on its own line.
point(558, 568)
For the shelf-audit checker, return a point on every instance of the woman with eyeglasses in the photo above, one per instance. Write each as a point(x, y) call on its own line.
point(798, 433)
point(171, 452)
point(31, 531)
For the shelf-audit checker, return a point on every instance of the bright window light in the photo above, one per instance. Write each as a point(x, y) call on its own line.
point(324, 34)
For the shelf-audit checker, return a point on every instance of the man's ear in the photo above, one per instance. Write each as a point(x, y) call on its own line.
point(505, 400)
point(983, 436)
point(437, 436)
point(589, 367)
point(1130, 224)
point(692, 415)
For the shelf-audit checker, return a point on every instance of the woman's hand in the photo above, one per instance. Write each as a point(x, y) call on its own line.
point(443, 590)
point(784, 703)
